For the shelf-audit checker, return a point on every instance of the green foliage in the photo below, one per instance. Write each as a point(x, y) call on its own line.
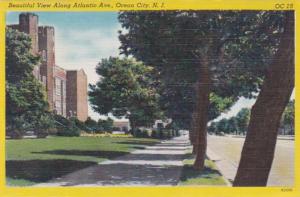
point(125, 89)
point(288, 118)
point(69, 130)
point(20, 62)
point(91, 124)
point(81, 125)
point(60, 120)
point(154, 134)
point(209, 176)
point(243, 118)
point(233, 125)
point(17, 130)
point(25, 96)
point(141, 133)
point(66, 127)
point(289, 113)
point(219, 104)
point(43, 125)
point(213, 128)
point(222, 126)
point(106, 125)
point(236, 44)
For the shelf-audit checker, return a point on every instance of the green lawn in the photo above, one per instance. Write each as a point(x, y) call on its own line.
point(31, 161)
point(209, 176)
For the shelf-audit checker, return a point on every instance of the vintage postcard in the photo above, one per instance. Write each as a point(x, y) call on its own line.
point(165, 98)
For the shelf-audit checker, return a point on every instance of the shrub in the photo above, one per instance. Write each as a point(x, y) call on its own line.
point(16, 134)
point(168, 133)
point(66, 127)
point(101, 132)
point(144, 133)
point(42, 126)
point(81, 125)
point(141, 133)
point(154, 133)
point(17, 127)
point(70, 131)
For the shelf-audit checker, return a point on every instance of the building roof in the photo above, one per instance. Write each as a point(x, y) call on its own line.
point(120, 123)
point(80, 70)
point(28, 14)
point(59, 67)
point(46, 26)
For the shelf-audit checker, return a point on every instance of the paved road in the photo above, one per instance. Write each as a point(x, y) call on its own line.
point(226, 151)
point(160, 164)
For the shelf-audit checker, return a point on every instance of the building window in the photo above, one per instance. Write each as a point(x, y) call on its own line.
point(63, 85)
point(58, 107)
point(44, 55)
point(57, 86)
point(44, 80)
point(64, 88)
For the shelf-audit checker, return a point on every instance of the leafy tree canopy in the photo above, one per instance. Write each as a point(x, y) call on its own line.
point(26, 104)
point(237, 45)
point(125, 88)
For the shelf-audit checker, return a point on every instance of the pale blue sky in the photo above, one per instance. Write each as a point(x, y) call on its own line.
point(82, 39)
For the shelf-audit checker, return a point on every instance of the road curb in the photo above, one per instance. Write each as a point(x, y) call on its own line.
point(214, 157)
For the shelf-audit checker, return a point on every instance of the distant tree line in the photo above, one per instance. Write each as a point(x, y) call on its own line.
point(235, 125)
point(238, 124)
point(287, 123)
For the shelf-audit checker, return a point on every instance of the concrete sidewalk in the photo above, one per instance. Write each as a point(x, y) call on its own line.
point(160, 165)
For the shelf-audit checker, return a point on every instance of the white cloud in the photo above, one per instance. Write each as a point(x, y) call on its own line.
point(77, 49)
point(84, 48)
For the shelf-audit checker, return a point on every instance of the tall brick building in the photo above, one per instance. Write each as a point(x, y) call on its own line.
point(47, 52)
point(62, 100)
point(76, 94)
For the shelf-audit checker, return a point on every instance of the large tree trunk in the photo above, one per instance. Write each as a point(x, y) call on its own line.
point(193, 133)
point(202, 105)
point(258, 151)
point(133, 127)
